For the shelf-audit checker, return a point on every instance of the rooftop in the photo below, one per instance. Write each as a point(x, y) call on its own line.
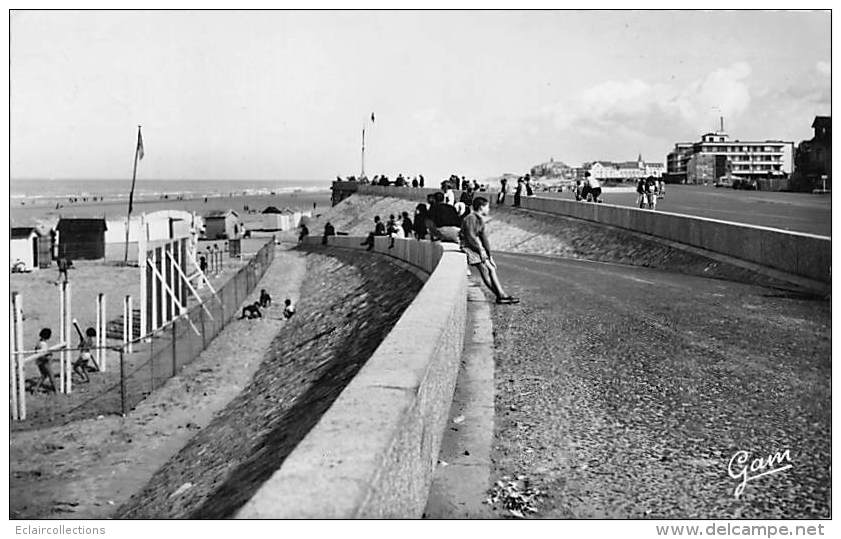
point(220, 214)
point(20, 232)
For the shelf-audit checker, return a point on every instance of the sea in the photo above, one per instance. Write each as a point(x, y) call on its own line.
point(117, 189)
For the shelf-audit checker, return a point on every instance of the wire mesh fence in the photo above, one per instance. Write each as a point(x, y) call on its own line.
point(131, 377)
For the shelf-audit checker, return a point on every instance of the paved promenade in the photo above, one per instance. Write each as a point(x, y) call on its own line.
point(798, 212)
point(624, 391)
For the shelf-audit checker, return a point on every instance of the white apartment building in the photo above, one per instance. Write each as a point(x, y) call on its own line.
point(715, 155)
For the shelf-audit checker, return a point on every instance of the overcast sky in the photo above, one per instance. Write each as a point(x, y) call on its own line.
point(283, 95)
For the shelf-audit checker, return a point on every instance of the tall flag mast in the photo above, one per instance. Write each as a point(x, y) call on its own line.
point(138, 154)
point(362, 174)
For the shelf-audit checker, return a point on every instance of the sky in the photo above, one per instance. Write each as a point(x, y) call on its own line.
point(285, 95)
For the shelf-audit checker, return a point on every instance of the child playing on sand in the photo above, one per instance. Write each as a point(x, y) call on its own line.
point(82, 365)
point(43, 362)
point(251, 311)
point(289, 309)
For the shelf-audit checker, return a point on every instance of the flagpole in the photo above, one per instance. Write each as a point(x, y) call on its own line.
point(362, 175)
point(131, 194)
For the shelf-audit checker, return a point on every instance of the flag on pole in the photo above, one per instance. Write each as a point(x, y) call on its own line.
point(372, 117)
point(139, 145)
point(138, 154)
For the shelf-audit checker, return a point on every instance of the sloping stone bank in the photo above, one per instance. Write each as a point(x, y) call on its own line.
point(349, 303)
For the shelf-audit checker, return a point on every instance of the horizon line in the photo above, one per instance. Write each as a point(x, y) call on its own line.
point(174, 179)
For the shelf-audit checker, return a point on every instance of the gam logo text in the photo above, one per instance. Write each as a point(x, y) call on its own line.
point(740, 468)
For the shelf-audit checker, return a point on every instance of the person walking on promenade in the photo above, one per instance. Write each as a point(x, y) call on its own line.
point(420, 180)
point(503, 190)
point(304, 233)
point(651, 192)
point(329, 230)
point(474, 243)
point(529, 190)
point(592, 191)
point(641, 192)
point(518, 192)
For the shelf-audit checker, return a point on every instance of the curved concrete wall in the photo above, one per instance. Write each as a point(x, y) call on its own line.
point(804, 255)
point(800, 254)
point(373, 454)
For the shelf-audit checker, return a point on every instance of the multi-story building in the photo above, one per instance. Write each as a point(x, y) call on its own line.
point(625, 170)
point(715, 155)
point(813, 158)
point(676, 162)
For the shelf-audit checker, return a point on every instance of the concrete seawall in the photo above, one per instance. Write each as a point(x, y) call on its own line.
point(803, 255)
point(373, 453)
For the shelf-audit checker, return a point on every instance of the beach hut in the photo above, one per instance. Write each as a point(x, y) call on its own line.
point(272, 219)
point(81, 239)
point(25, 248)
point(223, 224)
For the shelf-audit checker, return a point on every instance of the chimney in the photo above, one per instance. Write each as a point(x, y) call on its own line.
point(722, 123)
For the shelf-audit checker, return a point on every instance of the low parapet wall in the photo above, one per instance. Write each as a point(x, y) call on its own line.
point(795, 253)
point(373, 454)
point(804, 255)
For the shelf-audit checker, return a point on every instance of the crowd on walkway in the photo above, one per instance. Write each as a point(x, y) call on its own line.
point(455, 181)
point(445, 219)
point(649, 190)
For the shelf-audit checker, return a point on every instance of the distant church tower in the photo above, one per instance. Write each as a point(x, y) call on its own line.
point(640, 162)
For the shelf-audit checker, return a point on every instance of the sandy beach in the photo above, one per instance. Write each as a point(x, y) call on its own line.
point(45, 210)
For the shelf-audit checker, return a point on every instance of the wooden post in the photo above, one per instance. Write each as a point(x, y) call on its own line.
point(173, 310)
point(126, 315)
point(179, 290)
point(155, 288)
point(20, 373)
point(68, 316)
point(130, 335)
point(97, 354)
point(13, 365)
point(18, 383)
point(100, 332)
point(141, 263)
point(174, 350)
point(62, 336)
point(122, 382)
point(176, 277)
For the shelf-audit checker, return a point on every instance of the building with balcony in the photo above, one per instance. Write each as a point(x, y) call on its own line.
point(715, 155)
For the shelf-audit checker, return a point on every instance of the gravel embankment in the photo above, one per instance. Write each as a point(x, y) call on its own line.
point(349, 302)
point(624, 392)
